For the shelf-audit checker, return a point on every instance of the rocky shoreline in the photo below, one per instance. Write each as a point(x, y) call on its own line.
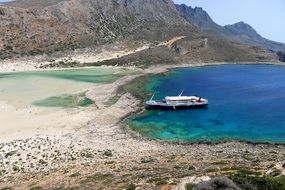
point(105, 154)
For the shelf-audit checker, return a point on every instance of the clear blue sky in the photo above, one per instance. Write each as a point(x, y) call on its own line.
point(266, 16)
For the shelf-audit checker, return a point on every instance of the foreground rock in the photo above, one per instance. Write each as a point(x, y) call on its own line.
point(281, 56)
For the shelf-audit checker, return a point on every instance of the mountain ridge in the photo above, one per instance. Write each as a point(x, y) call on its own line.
point(240, 32)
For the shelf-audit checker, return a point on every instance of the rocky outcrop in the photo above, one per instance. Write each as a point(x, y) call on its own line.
point(198, 17)
point(281, 56)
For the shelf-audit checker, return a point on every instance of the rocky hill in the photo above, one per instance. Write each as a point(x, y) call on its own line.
point(239, 32)
point(51, 25)
point(31, 27)
point(199, 18)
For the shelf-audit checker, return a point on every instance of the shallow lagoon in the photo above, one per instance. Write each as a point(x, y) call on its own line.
point(247, 102)
point(30, 101)
point(55, 88)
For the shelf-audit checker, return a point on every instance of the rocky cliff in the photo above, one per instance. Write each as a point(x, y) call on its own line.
point(198, 17)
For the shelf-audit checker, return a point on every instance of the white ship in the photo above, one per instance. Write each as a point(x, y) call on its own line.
point(177, 102)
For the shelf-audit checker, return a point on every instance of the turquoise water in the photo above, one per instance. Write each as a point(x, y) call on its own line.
point(246, 102)
point(65, 101)
point(90, 75)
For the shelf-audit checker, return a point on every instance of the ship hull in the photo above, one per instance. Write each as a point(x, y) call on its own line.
point(179, 107)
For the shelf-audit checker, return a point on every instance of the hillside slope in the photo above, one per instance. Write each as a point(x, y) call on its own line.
point(31, 27)
point(35, 26)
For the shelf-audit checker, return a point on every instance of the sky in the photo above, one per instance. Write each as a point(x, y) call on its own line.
point(265, 16)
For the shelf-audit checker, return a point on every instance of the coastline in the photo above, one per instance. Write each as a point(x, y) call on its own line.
point(105, 132)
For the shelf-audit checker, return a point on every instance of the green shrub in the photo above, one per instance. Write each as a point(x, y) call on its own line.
point(131, 187)
point(75, 174)
point(158, 181)
point(36, 188)
point(189, 186)
point(108, 153)
point(247, 182)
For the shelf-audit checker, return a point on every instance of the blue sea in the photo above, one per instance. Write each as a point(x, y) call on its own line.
point(246, 102)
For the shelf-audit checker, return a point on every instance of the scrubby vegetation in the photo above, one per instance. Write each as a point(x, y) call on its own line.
point(158, 181)
point(131, 187)
point(136, 87)
point(248, 182)
point(108, 153)
point(241, 181)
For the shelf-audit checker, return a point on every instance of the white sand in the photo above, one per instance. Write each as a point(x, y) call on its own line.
point(28, 122)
